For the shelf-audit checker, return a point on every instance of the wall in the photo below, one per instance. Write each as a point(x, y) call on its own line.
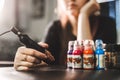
point(7, 18)
point(35, 26)
point(8, 42)
point(118, 19)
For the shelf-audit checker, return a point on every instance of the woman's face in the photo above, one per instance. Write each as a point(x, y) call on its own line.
point(73, 6)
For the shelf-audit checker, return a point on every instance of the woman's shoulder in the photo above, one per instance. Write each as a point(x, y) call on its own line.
point(102, 19)
point(106, 19)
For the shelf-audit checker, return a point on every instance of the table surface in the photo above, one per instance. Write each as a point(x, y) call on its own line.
point(58, 73)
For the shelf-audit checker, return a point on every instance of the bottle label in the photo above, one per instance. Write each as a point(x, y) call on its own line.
point(88, 61)
point(100, 61)
point(77, 61)
point(69, 61)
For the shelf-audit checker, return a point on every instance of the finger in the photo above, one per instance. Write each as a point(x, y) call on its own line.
point(26, 64)
point(24, 57)
point(96, 5)
point(96, 2)
point(41, 64)
point(49, 55)
point(45, 45)
point(19, 56)
point(32, 52)
point(32, 59)
point(22, 68)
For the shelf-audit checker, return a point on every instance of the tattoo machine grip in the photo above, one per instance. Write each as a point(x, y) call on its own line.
point(27, 41)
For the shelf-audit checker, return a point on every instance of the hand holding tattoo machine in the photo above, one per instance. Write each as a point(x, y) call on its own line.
point(26, 40)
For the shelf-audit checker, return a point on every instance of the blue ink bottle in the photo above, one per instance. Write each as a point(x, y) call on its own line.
point(99, 53)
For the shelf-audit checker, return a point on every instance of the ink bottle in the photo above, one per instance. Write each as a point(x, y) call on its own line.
point(77, 56)
point(112, 56)
point(88, 55)
point(99, 54)
point(69, 54)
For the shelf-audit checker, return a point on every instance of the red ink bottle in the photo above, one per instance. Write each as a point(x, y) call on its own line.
point(77, 56)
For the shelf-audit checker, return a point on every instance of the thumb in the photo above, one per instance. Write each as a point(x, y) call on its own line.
point(45, 45)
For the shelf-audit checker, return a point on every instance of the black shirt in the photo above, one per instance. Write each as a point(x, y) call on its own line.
point(57, 38)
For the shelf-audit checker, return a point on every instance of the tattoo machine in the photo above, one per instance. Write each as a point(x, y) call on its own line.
point(26, 40)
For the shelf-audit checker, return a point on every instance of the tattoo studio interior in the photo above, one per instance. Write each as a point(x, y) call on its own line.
point(60, 39)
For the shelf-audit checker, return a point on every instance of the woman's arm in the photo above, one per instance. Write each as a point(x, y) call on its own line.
point(84, 31)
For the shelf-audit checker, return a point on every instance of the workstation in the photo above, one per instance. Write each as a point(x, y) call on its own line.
point(29, 19)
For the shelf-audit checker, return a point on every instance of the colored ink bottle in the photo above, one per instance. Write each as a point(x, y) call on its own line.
point(112, 56)
point(99, 53)
point(88, 55)
point(69, 54)
point(77, 56)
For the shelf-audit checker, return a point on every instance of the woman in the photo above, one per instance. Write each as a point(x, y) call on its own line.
point(76, 21)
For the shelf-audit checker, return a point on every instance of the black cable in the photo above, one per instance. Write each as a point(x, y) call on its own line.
point(5, 32)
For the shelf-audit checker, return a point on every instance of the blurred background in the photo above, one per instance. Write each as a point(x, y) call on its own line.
point(32, 17)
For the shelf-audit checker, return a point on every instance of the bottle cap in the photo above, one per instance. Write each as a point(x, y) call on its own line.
point(76, 44)
point(98, 43)
point(89, 44)
point(70, 45)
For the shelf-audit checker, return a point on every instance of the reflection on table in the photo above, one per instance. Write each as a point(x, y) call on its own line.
point(6, 63)
point(58, 73)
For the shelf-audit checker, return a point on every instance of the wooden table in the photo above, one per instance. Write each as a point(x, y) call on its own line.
point(58, 73)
